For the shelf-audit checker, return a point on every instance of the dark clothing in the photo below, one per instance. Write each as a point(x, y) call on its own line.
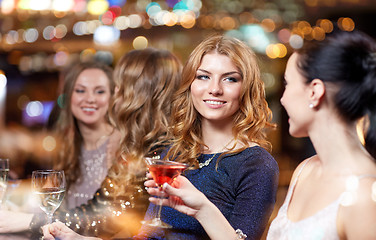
point(243, 187)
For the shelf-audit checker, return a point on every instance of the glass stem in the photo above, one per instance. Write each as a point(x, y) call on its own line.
point(159, 208)
point(50, 217)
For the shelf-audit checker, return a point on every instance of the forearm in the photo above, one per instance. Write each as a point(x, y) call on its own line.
point(215, 224)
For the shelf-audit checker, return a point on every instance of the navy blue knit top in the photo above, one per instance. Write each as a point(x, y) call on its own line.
point(243, 187)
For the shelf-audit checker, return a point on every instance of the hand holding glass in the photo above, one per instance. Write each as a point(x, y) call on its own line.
point(163, 172)
point(4, 169)
point(49, 187)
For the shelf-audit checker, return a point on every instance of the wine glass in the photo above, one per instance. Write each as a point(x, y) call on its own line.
point(4, 169)
point(49, 187)
point(162, 172)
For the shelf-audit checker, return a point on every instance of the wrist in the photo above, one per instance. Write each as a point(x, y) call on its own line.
point(207, 210)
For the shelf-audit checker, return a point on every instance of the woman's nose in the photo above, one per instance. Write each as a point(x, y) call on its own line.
point(215, 87)
point(90, 97)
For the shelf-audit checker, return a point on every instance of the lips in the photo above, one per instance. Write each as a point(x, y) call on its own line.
point(214, 102)
point(88, 109)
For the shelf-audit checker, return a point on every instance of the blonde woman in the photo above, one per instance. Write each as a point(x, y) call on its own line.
point(220, 117)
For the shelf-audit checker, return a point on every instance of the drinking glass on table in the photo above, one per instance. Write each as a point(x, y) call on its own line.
point(4, 170)
point(49, 187)
point(162, 172)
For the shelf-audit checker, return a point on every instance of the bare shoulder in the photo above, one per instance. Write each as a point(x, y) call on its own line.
point(358, 219)
point(302, 165)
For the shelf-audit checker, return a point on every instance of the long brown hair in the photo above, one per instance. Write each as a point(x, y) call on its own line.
point(145, 83)
point(251, 120)
point(66, 128)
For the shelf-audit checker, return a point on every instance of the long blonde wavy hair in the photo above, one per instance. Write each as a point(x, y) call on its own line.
point(66, 128)
point(250, 121)
point(145, 83)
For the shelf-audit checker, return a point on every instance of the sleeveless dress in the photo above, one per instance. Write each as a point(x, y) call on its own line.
point(320, 226)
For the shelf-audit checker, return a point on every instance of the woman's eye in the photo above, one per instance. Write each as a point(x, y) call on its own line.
point(79, 90)
point(101, 91)
point(231, 79)
point(202, 77)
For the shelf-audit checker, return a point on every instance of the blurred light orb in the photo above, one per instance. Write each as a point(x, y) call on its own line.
point(91, 26)
point(62, 6)
point(61, 58)
point(48, 32)
point(346, 24)
point(97, 7)
point(60, 101)
point(87, 54)
point(188, 21)
point(60, 31)
point(11, 37)
point(256, 37)
point(153, 8)
point(119, 3)
point(106, 35)
point(122, 22)
point(7, 6)
point(79, 6)
point(318, 33)
point(107, 18)
point(25, 64)
point(296, 41)
point(140, 42)
point(30, 35)
point(79, 28)
point(284, 35)
point(170, 19)
point(38, 5)
point(34, 108)
point(326, 25)
point(49, 143)
point(135, 20)
point(3, 80)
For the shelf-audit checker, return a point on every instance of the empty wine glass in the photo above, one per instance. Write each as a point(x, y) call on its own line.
point(4, 170)
point(162, 172)
point(49, 187)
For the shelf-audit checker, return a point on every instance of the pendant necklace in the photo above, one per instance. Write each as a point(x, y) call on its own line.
point(207, 162)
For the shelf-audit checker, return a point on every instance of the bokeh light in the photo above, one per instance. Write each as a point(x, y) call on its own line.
point(34, 108)
point(140, 42)
point(106, 35)
point(3, 80)
point(49, 143)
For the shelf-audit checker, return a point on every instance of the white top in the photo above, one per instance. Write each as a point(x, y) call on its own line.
point(322, 225)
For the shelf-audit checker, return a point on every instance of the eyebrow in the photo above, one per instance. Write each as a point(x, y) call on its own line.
point(225, 74)
point(95, 87)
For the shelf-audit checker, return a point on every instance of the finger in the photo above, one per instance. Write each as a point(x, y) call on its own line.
point(149, 176)
point(150, 183)
point(47, 232)
point(168, 189)
point(156, 192)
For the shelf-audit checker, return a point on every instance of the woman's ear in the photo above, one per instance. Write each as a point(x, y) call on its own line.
point(317, 91)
